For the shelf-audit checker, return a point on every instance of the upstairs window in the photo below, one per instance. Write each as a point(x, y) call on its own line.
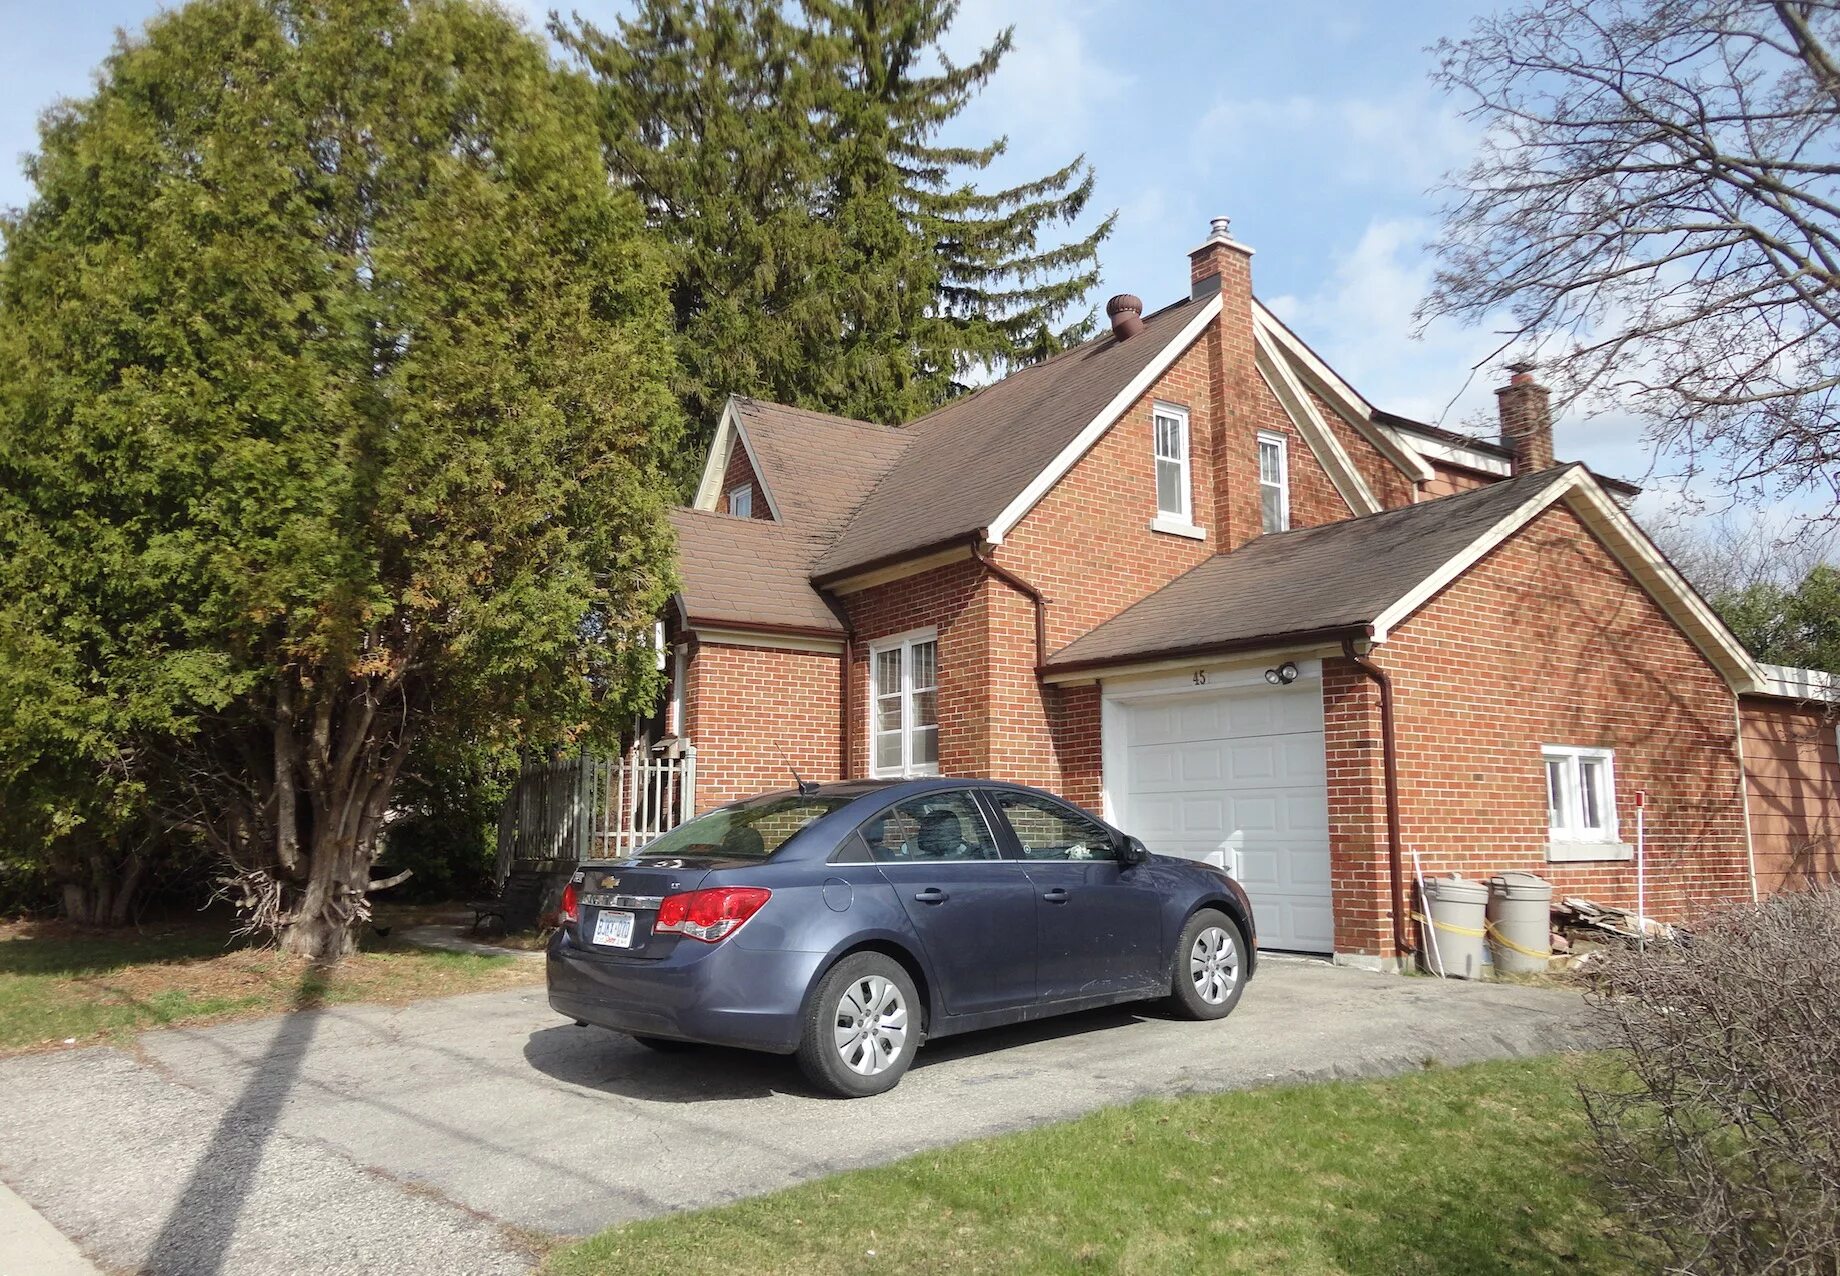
point(1172, 497)
point(904, 706)
point(1274, 483)
point(741, 501)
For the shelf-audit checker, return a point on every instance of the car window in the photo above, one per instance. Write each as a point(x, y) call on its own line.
point(937, 826)
point(1050, 831)
point(753, 829)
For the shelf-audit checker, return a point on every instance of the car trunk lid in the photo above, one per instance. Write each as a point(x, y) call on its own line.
point(619, 901)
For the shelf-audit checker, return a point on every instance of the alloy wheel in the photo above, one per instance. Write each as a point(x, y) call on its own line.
point(1213, 963)
point(871, 1026)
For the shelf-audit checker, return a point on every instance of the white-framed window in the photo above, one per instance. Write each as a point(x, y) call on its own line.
point(680, 672)
point(741, 501)
point(904, 705)
point(1580, 794)
point(1274, 482)
point(1170, 427)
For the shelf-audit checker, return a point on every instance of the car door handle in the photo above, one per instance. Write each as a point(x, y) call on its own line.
point(1055, 896)
point(931, 895)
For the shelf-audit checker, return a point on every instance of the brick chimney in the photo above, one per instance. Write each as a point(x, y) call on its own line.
point(1526, 420)
point(1222, 265)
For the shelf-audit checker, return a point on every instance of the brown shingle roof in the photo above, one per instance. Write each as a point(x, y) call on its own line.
point(749, 572)
point(972, 457)
point(818, 467)
point(1340, 576)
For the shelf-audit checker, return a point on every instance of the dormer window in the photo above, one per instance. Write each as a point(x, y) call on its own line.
point(1174, 503)
point(1274, 483)
point(741, 501)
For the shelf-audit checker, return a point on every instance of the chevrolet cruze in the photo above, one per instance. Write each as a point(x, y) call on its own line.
point(849, 923)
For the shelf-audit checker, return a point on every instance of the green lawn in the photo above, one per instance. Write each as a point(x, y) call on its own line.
point(60, 985)
point(1465, 1170)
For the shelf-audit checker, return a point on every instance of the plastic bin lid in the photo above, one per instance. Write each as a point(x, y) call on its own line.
point(1460, 890)
point(1518, 884)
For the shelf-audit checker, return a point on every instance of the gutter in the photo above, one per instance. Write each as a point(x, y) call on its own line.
point(1286, 639)
point(1395, 862)
point(1021, 586)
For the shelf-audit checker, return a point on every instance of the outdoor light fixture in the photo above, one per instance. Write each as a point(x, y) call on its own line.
point(1283, 676)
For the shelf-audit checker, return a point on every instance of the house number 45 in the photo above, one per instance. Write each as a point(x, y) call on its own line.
point(1201, 677)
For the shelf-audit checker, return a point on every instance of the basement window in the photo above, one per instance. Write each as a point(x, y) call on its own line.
point(1581, 804)
point(904, 705)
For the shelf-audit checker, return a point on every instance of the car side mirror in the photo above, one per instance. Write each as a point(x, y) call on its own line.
point(1132, 851)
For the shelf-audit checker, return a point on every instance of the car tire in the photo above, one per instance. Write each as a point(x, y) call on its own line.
point(1208, 969)
point(664, 1045)
point(861, 1028)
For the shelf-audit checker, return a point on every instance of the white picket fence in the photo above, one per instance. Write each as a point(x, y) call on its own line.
point(590, 806)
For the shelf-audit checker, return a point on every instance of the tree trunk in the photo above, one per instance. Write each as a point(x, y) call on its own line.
point(323, 926)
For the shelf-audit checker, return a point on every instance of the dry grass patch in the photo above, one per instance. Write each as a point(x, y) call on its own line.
point(62, 985)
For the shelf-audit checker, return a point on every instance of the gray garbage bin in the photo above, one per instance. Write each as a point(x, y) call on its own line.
point(1452, 944)
point(1520, 920)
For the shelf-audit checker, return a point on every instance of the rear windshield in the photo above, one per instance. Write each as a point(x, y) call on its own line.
point(752, 830)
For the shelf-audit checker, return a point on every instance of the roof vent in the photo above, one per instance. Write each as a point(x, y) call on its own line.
point(1127, 315)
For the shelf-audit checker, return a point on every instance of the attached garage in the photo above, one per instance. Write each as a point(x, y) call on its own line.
point(1233, 775)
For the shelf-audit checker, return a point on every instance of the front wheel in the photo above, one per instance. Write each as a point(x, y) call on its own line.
point(1210, 967)
point(862, 1028)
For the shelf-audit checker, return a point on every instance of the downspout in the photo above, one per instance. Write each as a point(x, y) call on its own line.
point(1021, 586)
point(1389, 755)
point(843, 699)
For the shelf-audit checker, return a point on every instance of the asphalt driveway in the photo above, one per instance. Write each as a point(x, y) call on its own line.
point(451, 1134)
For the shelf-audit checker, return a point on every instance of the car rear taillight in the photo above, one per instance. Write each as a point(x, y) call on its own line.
point(571, 904)
point(712, 915)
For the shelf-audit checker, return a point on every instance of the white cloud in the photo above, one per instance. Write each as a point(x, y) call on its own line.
point(1412, 138)
point(1051, 83)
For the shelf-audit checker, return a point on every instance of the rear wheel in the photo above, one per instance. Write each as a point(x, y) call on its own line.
point(862, 1028)
point(1210, 967)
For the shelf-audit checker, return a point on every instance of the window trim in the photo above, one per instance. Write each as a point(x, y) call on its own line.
point(746, 492)
point(1284, 480)
point(678, 710)
point(904, 643)
point(1573, 840)
point(1185, 516)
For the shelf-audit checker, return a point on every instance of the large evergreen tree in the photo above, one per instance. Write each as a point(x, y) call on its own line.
point(333, 387)
point(830, 251)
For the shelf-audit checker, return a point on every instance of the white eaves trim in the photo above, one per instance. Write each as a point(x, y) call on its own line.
point(1629, 545)
point(715, 469)
point(1316, 433)
point(1793, 683)
point(1348, 405)
point(1091, 433)
point(1456, 454)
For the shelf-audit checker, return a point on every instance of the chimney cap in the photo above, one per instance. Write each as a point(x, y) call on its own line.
point(1521, 372)
point(1220, 230)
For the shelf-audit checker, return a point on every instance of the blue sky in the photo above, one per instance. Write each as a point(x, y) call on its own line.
point(1310, 123)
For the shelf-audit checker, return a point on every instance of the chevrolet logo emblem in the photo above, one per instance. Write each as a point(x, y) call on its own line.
point(609, 882)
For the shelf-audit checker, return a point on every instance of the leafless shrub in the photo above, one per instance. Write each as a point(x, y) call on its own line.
point(1723, 1134)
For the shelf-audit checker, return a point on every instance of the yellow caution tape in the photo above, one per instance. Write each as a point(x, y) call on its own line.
point(1452, 928)
point(1496, 935)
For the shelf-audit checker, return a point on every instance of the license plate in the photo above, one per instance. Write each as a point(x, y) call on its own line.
point(614, 929)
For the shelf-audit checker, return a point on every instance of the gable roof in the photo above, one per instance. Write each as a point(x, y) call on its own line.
point(1365, 576)
point(752, 573)
point(970, 461)
point(820, 466)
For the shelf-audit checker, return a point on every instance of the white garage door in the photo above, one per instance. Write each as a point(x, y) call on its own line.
point(1237, 778)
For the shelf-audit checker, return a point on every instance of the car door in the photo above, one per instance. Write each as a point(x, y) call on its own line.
point(973, 910)
point(1098, 923)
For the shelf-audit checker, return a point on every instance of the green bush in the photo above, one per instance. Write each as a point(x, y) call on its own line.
point(445, 828)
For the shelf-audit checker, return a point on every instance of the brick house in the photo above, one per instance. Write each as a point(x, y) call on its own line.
point(1184, 573)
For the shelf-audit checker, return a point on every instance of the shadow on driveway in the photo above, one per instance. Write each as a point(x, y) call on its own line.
point(613, 1063)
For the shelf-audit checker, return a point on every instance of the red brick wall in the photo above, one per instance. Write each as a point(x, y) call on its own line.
point(740, 474)
point(745, 704)
point(1452, 479)
point(1793, 775)
point(1547, 641)
point(1391, 486)
point(952, 600)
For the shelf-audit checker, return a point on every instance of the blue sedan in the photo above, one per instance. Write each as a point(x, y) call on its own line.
point(848, 923)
